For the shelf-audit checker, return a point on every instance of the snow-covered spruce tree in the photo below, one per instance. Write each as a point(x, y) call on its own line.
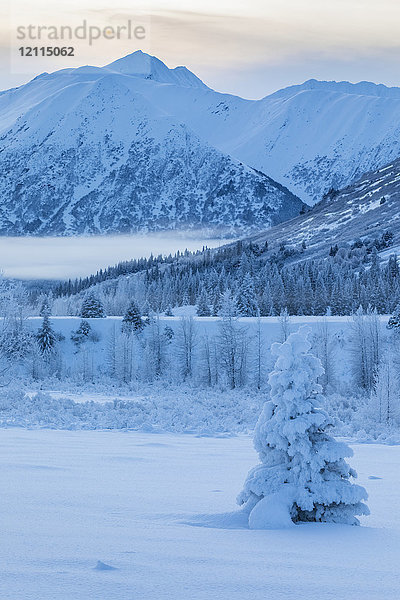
point(185, 299)
point(45, 337)
point(246, 298)
point(168, 311)
point(45, 307)
point(92, 307)
point(132, 321)
point(394, 321)
point(82, 334)
point(303, 475)
point(203, 307)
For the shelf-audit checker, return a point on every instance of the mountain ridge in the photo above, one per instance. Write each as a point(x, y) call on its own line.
point(88, 136)
point(365, 210)
point(360, 88)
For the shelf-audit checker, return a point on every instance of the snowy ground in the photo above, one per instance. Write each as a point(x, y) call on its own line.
point(135, 501)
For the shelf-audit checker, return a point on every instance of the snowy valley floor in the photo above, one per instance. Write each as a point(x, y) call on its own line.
point(136, 502)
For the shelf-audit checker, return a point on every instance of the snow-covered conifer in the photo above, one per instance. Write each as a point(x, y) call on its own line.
point(82, 334)
point(216, 305)
point(303, 471)
point(203, 307)
point(45, 307)
point(394, 321)
point(132, 321)
point(168, 311)
point(92, 307)
point(185, 299)
point(246, 298)
point(46, 338)
point(169, 334)
point(228, 305)
point(15, 339)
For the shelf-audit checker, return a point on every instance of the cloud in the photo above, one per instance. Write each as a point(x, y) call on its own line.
point(226, 41)
point(61, 257)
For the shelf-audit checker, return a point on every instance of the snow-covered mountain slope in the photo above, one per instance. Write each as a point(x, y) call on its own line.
point(96, 150)
point(363, 210)
point(136, 146)
point(323, 135)
point(310, 137)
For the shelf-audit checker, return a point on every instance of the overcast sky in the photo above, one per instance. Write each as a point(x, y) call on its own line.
point(250, 48)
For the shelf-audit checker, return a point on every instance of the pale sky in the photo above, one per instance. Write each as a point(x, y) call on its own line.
point(250, 48)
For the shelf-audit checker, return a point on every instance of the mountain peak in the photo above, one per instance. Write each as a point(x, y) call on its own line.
point(362, 88)
point(137, 63)
point(141, 64)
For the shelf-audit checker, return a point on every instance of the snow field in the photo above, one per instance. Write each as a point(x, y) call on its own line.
point(152, 506)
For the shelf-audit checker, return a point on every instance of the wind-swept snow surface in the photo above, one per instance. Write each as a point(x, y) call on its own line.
point(117, 516)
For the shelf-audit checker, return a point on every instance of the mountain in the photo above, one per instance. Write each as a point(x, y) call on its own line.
point(365, 211)
point(96, 150)
point(136, 146)
point(310, 137)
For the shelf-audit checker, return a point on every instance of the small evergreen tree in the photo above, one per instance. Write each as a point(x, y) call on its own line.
point(185, 300)
point(168, 311)
point(203, 307)
point(247, 299)
point(132, 321)
point(45, 308)
point(92, 307)
point(216, 305)
point(169, 334)
point(228, 305)
point(82, 334)
point(46, 338)
point(394, 321)
point(303, 469)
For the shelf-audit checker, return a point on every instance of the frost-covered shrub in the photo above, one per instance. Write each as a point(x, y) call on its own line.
point(302, 467)
point(174, 409)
